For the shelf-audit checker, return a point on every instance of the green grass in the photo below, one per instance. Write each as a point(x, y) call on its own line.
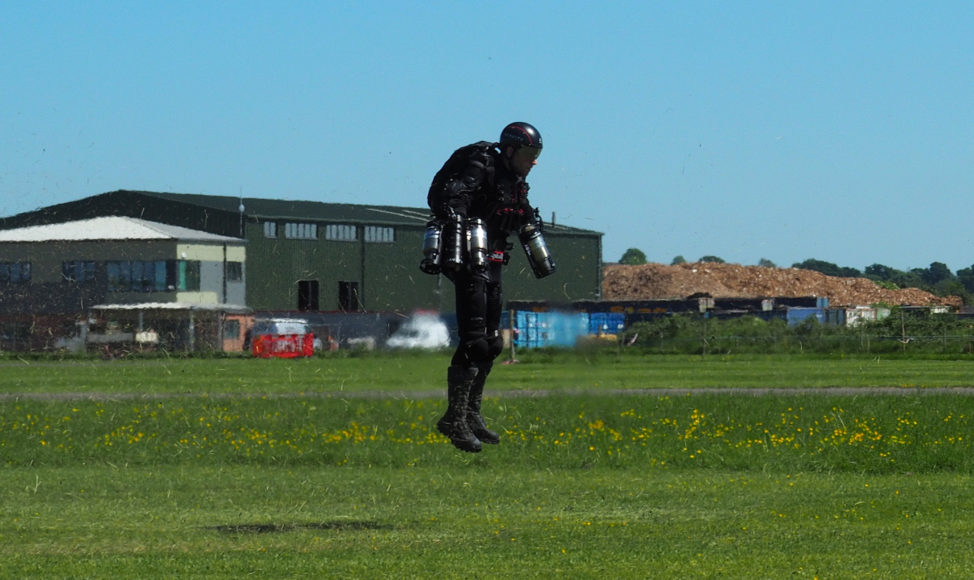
point(469, 518)
point(783, 432)
point(332, 468)
point(412, 372)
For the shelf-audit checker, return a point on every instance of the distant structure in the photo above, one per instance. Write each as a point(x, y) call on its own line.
point(205, 263)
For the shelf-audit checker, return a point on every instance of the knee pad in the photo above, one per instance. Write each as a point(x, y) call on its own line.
point(477, 350)
point(495, 345)
point(481, 349)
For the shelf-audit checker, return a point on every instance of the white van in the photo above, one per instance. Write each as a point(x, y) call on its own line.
point(421, 331)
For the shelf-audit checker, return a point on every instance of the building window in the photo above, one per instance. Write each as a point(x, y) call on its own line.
point(307, 295)
point(231, 329)
point(234, 271)
point(155, 276)
point(78, 271)
point(270, 229)
point(348, 298)
point(187, 277)
point(15, 272)
point(301, 231)
point(341, 232)
point(379, 234)
point(147, 276)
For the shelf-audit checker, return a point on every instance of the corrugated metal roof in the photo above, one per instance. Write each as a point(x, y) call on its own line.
point(299, 209)
point(109, 228)
point(220, 213)
point(279, 209)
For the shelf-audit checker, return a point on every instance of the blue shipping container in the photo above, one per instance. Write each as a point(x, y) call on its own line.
point(606, 322)
point(798, 314)
point(540, 329)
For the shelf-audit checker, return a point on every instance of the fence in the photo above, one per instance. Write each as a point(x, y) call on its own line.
point(701, 334)
point(836, 344)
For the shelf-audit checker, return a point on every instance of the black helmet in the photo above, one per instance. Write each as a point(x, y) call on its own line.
point(520, 135)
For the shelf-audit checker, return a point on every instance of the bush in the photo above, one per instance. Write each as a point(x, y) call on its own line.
point(901, 332)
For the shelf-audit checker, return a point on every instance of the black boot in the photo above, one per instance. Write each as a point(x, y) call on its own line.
point(474, 418)
point(454, 422)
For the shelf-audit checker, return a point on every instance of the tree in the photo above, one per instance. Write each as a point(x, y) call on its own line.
point(766, 263)
point(827, 268)
point(678, 260)
point(966, 277)
point(881, 273)
point(893, 278)
point(911, 279)
point(712, 259)
point(936, 273)
point(633, 257)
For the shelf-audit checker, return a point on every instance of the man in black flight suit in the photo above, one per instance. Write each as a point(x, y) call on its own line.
point(488, 185)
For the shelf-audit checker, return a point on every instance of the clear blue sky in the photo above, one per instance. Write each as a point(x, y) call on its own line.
point(842, 131)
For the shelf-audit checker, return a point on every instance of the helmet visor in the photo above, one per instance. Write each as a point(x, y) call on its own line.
point(527, 154)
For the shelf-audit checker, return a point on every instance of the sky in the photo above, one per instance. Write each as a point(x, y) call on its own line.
point(784, 131)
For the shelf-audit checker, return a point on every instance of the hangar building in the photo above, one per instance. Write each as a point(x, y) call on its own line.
point(253, 253)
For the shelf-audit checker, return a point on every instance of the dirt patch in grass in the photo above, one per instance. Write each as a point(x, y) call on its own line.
point(335, 525)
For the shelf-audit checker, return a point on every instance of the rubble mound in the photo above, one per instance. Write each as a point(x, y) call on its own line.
point(660, 282)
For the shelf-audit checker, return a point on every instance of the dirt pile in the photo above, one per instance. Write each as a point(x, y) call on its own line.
point(658, 281)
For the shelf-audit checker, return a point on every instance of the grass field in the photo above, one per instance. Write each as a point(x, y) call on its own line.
point(623, 467)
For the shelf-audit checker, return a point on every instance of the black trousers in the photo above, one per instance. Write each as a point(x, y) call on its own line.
point(479, 300)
